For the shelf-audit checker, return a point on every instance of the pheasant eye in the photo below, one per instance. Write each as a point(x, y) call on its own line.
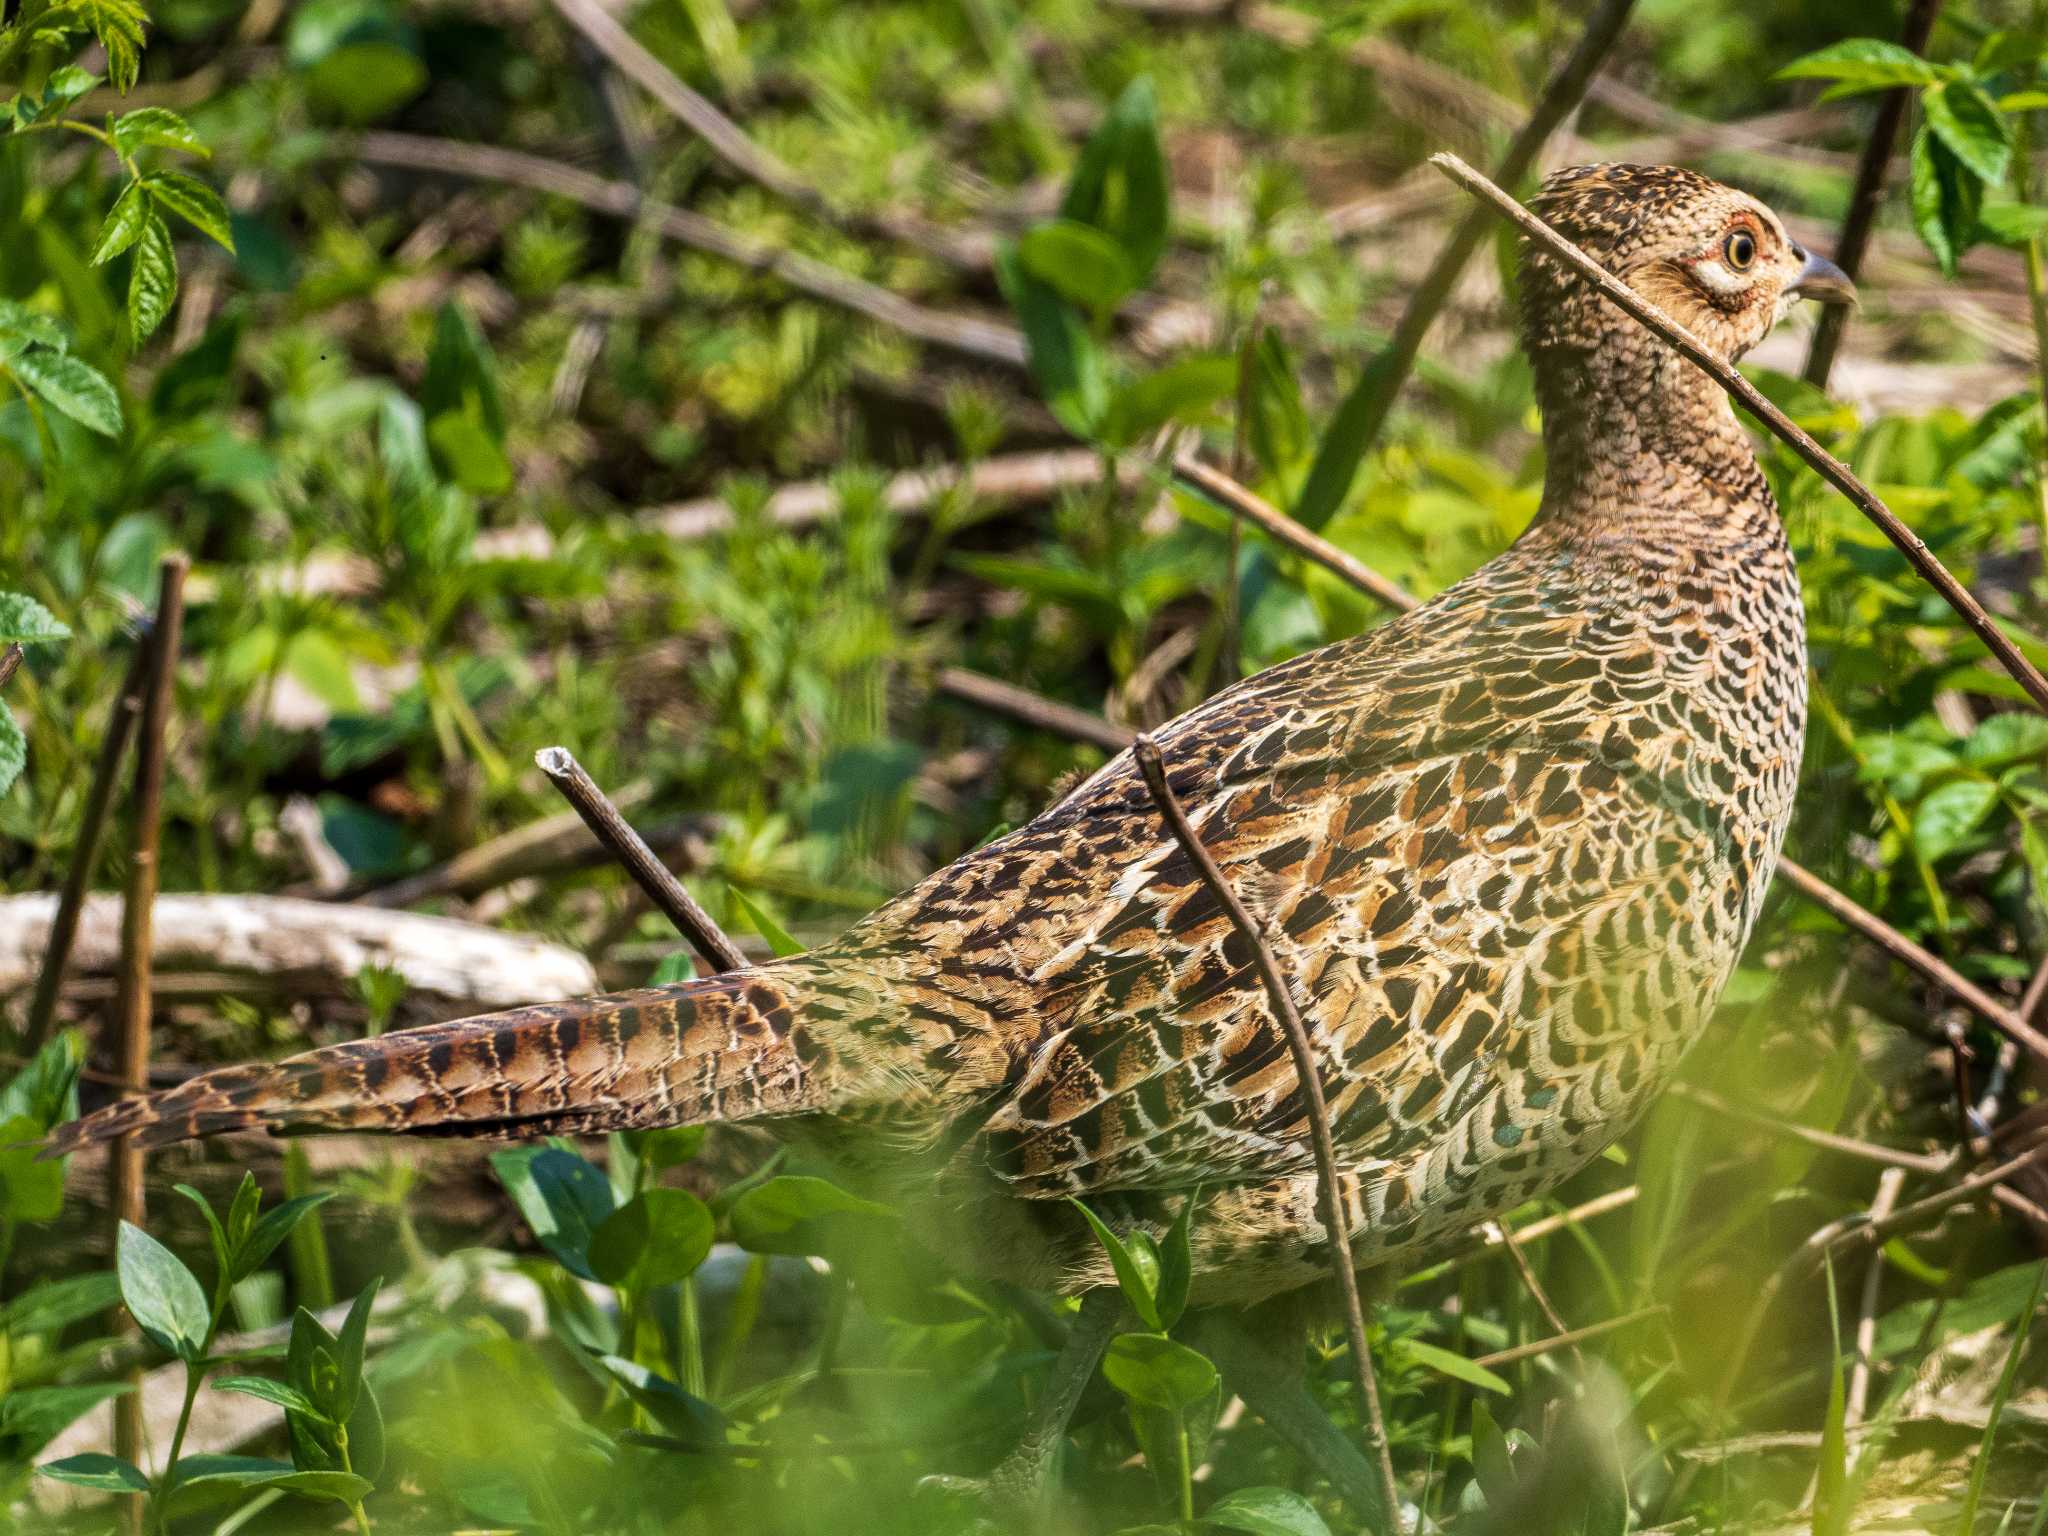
point(1740, 250)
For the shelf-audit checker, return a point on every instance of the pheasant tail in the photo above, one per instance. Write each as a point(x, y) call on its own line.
point(725, 1048)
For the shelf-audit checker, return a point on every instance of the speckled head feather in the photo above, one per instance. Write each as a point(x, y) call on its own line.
point(1509, 845)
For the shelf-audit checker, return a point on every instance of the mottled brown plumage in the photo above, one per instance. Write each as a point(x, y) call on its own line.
point(1512, 844)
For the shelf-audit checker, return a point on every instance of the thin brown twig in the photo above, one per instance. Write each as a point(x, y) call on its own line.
point(1868, 195)
point(1567, 1338)
point(1882, 1204)
point(1255, 509)
point(1894, 943)
point(1021, 704)
point(1390, 367)
point(631, 850)
point(1534, 1287)
point(970, 336)
point(99, 798)
point(1829, 1141)
point(125, 1191)
point(1724, 373)
point(1146, 753)
point(10, 662)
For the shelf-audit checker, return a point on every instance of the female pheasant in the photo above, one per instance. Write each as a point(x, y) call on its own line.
point(1510, 846)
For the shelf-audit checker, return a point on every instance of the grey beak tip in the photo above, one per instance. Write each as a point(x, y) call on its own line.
point(1822, 280)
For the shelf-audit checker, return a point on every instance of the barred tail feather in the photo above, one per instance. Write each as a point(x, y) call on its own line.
point(725, 1048)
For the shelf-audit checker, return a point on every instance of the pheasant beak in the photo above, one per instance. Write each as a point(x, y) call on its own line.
point(1821, 279)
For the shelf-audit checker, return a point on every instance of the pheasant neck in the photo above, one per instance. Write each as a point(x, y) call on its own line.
point(1646, 461)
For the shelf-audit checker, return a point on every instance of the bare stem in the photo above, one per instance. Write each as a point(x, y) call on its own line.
point(133, 995)
point(631, 850)
point(10, 663)
point(1278, 994)
point(1801, 442)
point(120, 729)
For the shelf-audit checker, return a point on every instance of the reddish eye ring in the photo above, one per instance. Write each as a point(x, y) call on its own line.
point(1739, 250)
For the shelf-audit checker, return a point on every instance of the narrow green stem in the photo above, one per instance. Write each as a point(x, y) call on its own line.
point(1187, 1471)
point(195, 1372)
point(689, 1339)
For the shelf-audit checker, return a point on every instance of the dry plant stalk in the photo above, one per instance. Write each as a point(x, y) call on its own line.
point(10, 662)
point(132, 1008)
point(1146, 753)
point(631, 850)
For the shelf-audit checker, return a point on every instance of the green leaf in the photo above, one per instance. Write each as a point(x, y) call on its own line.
point(1966, 120)
point(20, 323)
point(1068, 365)
point(1176, 1263)
point(273, 1229)
point(31, 1188)
point(160, 1293)
point(1151, 1369)
point(156, 128)
point(94, 1470)
point(1492, 1462)
point(270, 1392)
point(1949, 813)
point(563, 1197)
point(2007, 738)
point(1945, 199)
point(1136, 1266)
point(223, 1251)
point(79, 391)
point(315, 658)
point(1455, 1366)
point(193, 201)
point(364, 81)
point(469, 453)
point(1343, 446)
point(57, 1304)
point(1863, 64)
point(45, 1089)
point(462, 374)
point(778, 937)
point(1120, 184)
point(152, 278)
point(1266, 1512)
point(2012, 224)
point(25, 621)
point(788, 1213)
point(1079, 262)
point(683, 1415)
point(659, 1236)
point(13, 750)
point(1186, 390)
point(123, 224)
point(34, 1416)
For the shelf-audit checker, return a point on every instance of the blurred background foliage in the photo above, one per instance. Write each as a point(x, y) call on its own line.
point(477, 454)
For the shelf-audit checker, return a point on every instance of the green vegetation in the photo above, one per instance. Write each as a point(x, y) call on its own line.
point(476, 459)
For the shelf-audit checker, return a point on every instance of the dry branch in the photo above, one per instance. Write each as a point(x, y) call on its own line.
point(1021, 704)
point(314, 945)
point(85, 852)
point(138, 903)
point(1570, 1338)
point(10, 662)
point(1871, 172)
point(986, 341)
point(1309, 1079)
point(1724, 373)
point(628, 847)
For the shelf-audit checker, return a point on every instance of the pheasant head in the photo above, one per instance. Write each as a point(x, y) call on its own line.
point(1711, 257)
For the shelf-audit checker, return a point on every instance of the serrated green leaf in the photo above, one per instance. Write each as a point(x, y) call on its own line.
point(123, 224)
point(73, 387)
point(24, 620)
point(193, 201)
point(156, 128)
point(152, 278)
point(1968, 122)
point(1863, 64)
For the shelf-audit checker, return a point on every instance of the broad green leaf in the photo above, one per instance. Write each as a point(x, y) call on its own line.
point(2012, 737)
point(1266, 1512)
point(1945, 197)
point(364, 81)
point(681, 1414)
point(1492, 1460)
point(1176, 1263)
point(1343, 446)
point(156, 128)
point(160, 1293)
point(1067, 363)
point(1152, 1369)
point(123, 224)
point(1186, 391)
point(193, 201)
point(1077, 261)
point(1949, 813)
point(659, 1236)
point(1965, 119)
point(1863, 64)
point(781, 1216)
point(94, 1470)
point(24, 619)
point(1456, 1366)
point(29, 325)
point(563, 1198)
point(78, 390)
point(33, 1416)
point(462, 373)
point(59, 1303)
point(1120, 183)
point(152, 278)
point(472, 457)
point(2012, 224)
point(31, 1187)
point(1136, 1266)
point(273, 1228)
